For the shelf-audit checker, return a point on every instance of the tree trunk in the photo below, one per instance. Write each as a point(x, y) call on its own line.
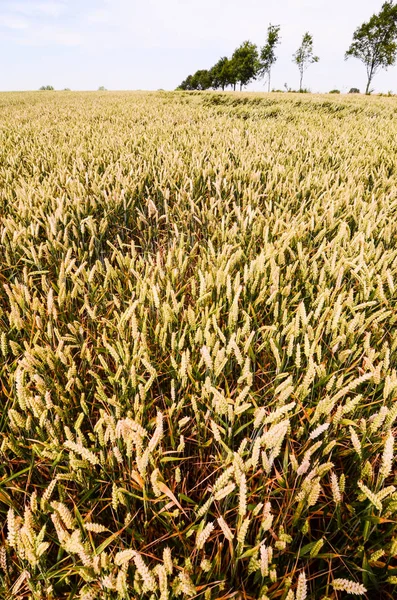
point(301, 81)
point(268, 87)
point(234, 87)
point(370, 73)
point(368, 84)
point(241, 86)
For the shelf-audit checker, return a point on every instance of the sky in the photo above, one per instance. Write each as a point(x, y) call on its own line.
point(155, 44)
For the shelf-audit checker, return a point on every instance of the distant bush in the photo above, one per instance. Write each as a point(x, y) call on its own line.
point(334, 92)
point(102, 88)
point(46, 88)
point(354, 91)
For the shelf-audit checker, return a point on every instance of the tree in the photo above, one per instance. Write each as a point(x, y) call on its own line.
point(201, 80)
point(268, 55)
point(374, 43)
point(245, 64)
point(46, 88)
point(304, 56)
point(186, 83)
point(220, 73)
point(232, 73)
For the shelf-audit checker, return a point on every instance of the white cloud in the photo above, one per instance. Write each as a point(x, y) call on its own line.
point(49, 8)
point(61, 37)
point(51, 36)
point(35, 23)
point(13, 22)
point(99, 16)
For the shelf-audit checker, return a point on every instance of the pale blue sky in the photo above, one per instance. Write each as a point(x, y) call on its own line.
point(151, 44)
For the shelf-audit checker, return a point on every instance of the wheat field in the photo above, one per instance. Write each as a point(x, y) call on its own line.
point(198, 348)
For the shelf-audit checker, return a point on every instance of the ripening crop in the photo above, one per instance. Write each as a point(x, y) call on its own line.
point(198, 344)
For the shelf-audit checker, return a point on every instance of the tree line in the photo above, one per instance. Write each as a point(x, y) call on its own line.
point(374, 44)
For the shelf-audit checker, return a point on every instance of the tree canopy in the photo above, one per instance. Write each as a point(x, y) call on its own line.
point(245, 63)
point(243, 67)
point(221, 73)
point(305, 56)
point(268, 52)
point(201, 80)
point(374, 42)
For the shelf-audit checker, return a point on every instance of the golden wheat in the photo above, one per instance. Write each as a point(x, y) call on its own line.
point(198, 346)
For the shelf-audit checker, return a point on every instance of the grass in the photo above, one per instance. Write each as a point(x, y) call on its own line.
point(198, 346)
